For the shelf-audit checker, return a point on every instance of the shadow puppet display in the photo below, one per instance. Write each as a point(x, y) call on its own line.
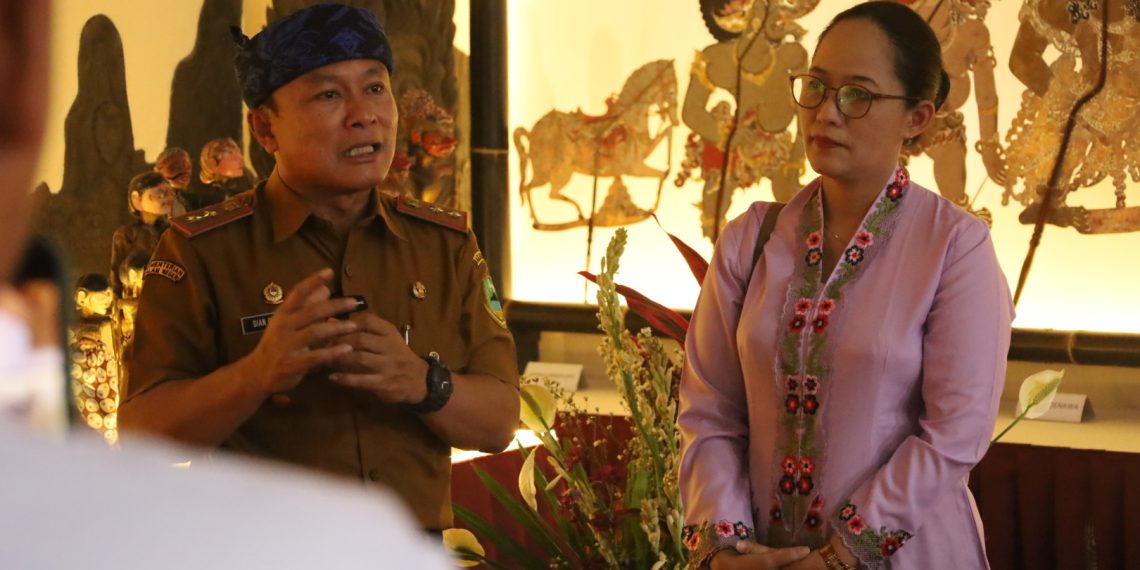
point(611, 145)
point(1105, 143)
point(757, 50)
point(968, 58)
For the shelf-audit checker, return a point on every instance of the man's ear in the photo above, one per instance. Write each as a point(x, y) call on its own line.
point(261, 128)
point(25, 44)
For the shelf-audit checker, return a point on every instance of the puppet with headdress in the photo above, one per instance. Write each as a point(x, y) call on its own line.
point(744, 137)
point(1105, 142)
point(223, 169)
point(968, 58)
point(175, 166)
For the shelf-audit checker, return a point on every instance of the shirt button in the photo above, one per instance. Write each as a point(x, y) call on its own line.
point(374, 474)
point(348, 271)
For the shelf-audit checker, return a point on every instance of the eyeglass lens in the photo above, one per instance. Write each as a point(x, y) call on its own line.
point(853, 101)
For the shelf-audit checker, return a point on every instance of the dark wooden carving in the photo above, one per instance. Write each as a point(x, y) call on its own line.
point(99, 156)
point(205, 98)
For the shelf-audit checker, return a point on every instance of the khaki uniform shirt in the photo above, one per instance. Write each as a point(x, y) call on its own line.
point(205, 297)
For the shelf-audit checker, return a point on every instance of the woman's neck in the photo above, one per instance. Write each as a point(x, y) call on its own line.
point(846, 201)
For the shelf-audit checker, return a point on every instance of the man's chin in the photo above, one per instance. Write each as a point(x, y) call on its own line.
point(357, 185)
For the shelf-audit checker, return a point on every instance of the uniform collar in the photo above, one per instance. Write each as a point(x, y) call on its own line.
point(287, 213)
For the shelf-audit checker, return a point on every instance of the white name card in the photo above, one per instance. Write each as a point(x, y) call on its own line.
point(564, 374)
point(1072, 408)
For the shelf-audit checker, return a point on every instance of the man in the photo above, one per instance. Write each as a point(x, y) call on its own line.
point(59, 499)
point(347, 372)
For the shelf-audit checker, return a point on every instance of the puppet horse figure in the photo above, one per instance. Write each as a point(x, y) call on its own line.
point(613, 144)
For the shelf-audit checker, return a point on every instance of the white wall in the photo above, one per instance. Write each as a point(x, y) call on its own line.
point(156, 35)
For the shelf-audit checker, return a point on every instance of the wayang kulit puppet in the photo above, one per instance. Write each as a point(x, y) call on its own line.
point(737, 144)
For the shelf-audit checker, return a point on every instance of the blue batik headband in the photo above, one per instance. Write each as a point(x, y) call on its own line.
point(303, 41)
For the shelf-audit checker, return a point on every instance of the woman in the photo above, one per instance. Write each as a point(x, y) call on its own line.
point(837, 394)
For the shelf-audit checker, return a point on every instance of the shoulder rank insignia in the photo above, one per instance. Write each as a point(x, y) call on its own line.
point(446, 217)
point(201, 221)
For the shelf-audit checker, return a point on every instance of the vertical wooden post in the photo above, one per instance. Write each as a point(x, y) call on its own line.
point(490, 194)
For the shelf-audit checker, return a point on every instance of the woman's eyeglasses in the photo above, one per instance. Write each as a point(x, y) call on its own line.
point(853, 101)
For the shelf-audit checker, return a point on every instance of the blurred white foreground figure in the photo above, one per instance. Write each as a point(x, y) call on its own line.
point(56, 500)
point(81, 505)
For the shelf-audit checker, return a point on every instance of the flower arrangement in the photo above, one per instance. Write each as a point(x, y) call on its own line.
point(600, 501)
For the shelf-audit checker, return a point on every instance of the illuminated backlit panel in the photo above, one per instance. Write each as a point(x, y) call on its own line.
point(569, 55)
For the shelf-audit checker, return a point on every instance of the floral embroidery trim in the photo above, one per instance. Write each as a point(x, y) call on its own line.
point(801, 365)
point(868, 545)
point(705, 539)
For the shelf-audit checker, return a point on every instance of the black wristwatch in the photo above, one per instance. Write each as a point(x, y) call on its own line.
point(439, 386)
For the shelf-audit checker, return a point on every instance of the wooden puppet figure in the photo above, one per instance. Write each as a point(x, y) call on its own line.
point(223, 170)
point(149, 199)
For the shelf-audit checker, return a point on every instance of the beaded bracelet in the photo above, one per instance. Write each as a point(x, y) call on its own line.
point(831, 559)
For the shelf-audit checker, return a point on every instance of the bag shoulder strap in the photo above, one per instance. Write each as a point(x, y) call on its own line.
point(766, 228)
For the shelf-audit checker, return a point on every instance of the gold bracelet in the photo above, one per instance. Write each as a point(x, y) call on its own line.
point(831, 559)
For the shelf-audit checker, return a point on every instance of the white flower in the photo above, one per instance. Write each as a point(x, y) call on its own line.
point(537, 407)
point(1037, 392)
point(526, 481)
point(457, 540)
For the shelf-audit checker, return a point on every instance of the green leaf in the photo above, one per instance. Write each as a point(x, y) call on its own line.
point(506, 545)
point(531, 522)
point(573, 538)
point(638, 488)
point(464, 554)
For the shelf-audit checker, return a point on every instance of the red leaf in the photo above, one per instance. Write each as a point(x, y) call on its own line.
point(697, 264)
point(663, 319)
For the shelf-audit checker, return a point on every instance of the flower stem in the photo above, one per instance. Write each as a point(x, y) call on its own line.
point(1010, 426)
